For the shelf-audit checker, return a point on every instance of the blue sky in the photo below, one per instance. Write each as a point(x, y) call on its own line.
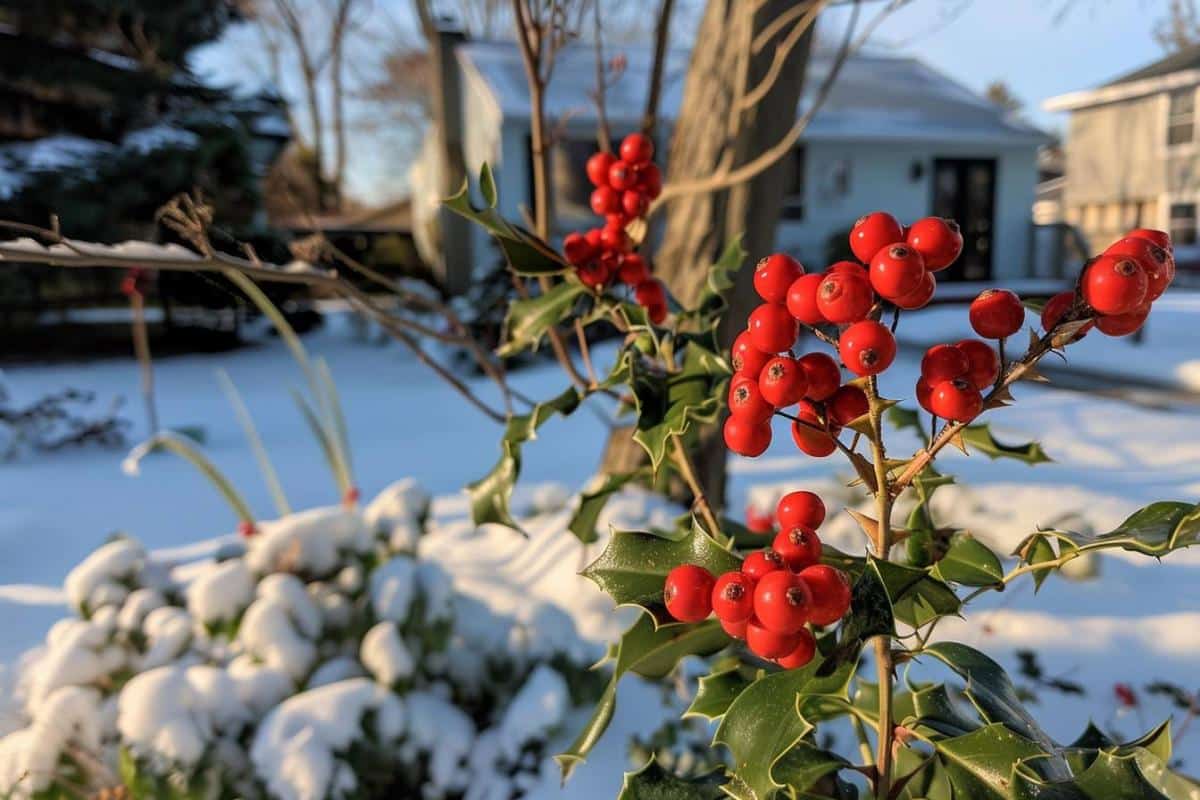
point(1036, 46)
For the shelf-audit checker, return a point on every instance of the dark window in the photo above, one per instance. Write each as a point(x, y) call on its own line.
point(793, 195)
point(568, 175)
point(1183, 223)
point(1181, 119)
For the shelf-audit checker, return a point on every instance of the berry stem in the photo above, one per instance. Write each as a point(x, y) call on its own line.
point(586, 352)
point(883, 544)
point(686, 471)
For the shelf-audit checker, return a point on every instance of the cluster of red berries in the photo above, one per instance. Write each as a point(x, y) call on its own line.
point(901, 266)
point(779, 590)
point(625, 187)
point(1120, 284)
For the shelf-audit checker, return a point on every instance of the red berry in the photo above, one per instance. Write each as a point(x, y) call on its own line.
point(688, 593)
point(733, 597)
point(781, 602)
point(802, 654)
point(798, 547)
point(746, 400)
point(593, 238)
point(1152, 259)
point(848, 268)
point(1160, 238)
point(595, 274)
point(774, 275)
point(800, 510)
point(867, 348)
point(924, 395)
point(614, 237)
point(578, 249)
point(823, 375)
point(633, 269)
point(761, 562)
point(246, 529)
point(847, 404)
point(920, 297)
point(621, 176)
point(983, 361)
point(811, 436)
point(650, 293)
point(830, 590)
point(598, 167)
point(944, 362)
point(768, 644)
point(939, 241)
point(842, 297)
point(996, 314)
point(897, 271)
point(649, 180)
point(657, 312)
point(618, 220)
point(736, 630)
point(1123, 324)
point(782, 381)
point(1054, 310)
point(747, 359)
point(746, 437)
point(872, 233)
point(802, 299)
point(605, 200)
point(637, 148)
point(956, 400)
point(1114, 285)
point(759, 521)
point(772, 328)
point(634, 203)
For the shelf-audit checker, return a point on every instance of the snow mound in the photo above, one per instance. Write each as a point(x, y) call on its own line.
point(311, 542)
point(176, 713)
point(103, 577)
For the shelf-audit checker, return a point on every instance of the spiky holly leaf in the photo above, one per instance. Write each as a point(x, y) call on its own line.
point(525, 253)
point(1155, 530)
point(652, 782)
point(650, 650)
point(917, 596)
point(592, 500)
point(1113, 775)
point(718, 690)
point(491, 495)
point(804, 765)
point(767, 720)
point(871, 614)
point(969, 562)
point(936, 710)
point(711, 302)
point(980, 764)
point(529, 319)
point(635, 564)
point(979, 437)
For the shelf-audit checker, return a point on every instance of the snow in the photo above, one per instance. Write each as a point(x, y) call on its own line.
point(101, 576)
point(311, 541)
point(385, 654)
point(159, 137)
point(1134, 625)
point(536, 711)
point(221, 593)
point(175, 712)
point(294, 749)
point(67, 717)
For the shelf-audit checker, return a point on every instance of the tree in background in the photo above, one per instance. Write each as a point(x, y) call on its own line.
point(1180, 27)
point(1002, 95)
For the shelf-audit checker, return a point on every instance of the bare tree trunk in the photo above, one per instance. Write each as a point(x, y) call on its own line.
point(337, 57)
point(712, 132)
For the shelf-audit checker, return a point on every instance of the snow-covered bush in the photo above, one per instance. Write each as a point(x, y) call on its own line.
point(319, 659)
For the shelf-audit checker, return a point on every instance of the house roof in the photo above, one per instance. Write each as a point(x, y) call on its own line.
point(875, 97)
point(1179, 70)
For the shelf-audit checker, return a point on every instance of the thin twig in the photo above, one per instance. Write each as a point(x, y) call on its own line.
point(662, 32)
point(603, 131)
point(688, 472)
point(782, 51)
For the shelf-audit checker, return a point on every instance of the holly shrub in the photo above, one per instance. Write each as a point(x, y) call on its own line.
point(803, 636)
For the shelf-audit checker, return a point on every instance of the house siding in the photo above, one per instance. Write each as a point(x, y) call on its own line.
point(1106, 194)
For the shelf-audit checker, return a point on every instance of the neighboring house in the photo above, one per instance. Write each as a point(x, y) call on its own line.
point(1132, 153)
point(893, 134)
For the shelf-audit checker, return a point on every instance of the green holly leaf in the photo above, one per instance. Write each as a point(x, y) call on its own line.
point(980, 764)
point(525, 253)
point(969, 562)
point(767, 720)
point(491, 495)
point(530, 318)
point(1134, 775)
point(719, 281)
point(592, 501)
point(871, 614)
point(669, 403)
point(917, 596)
point(635, 564)
point(991, 691)
point(1154, 530)
point(717, 692)
point(934, 709)
point(979, 437)
point(652, 651)
point(800, 768)
point(652, 782)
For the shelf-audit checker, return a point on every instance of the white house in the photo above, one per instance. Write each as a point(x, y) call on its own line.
point(893, 134)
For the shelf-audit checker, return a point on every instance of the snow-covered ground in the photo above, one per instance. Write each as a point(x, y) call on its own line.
point(1138, 624)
